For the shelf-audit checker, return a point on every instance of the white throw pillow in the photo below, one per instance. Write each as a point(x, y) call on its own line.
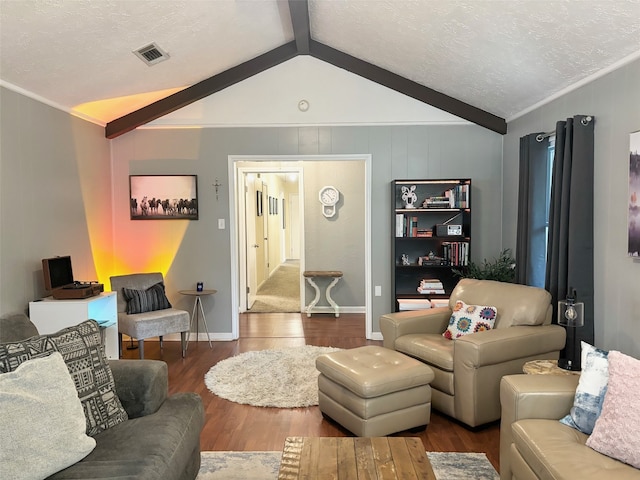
point(42, 421)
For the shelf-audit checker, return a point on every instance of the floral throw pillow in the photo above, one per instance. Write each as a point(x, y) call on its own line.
point(467, 319)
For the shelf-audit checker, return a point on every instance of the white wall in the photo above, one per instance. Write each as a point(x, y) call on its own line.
point(614, 100)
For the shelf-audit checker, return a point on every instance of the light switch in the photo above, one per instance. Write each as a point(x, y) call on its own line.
point(221, 224)
point(378, 291)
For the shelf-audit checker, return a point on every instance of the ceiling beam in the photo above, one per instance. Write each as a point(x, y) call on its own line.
point(200, 90)
point(407, 87)
point(299, 10)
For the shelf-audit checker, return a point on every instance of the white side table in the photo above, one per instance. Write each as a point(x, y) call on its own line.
point(310, 275)
point(198, 311)
point(50, 315)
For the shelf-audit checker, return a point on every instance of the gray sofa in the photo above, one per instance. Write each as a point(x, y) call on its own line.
point(161, 439)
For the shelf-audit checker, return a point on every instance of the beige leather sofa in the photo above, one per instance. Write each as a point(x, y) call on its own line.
point(535, 445)
point(468, 370)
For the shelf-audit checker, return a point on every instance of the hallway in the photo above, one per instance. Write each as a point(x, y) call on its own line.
point(280, 293)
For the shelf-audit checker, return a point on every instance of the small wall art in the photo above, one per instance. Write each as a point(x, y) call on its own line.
point(163, 197)
point(258, 203)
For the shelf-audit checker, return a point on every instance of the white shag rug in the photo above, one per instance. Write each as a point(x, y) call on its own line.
point(265, 466)
point(284, 378)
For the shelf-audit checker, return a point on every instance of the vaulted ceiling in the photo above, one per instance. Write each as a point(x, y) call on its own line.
point(485, 61)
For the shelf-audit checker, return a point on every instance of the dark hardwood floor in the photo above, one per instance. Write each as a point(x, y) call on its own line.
point(231, 426)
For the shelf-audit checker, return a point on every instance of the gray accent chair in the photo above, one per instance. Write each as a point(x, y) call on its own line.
point(148, 324)
point(161, 439)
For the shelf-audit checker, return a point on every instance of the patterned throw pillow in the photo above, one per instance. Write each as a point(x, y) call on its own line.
point(591, 389)
point(616, 433)
point(467, 319)
point(140, 301)
point(83, 353)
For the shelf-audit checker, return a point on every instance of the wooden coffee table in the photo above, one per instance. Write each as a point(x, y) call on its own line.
point(354, 458)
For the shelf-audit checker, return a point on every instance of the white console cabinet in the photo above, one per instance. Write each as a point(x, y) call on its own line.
point(50, 315)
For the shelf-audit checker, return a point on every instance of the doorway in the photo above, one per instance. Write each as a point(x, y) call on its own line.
point(269, 226)
point(238, 165)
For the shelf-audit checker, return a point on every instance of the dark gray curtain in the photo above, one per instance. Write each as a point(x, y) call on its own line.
point(532, 211)
point(570, 243)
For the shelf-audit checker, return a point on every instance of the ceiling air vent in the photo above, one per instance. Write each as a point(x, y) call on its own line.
point(151, 54)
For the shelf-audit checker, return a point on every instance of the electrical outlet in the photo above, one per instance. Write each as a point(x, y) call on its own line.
point(378, 291)
point(221, 224)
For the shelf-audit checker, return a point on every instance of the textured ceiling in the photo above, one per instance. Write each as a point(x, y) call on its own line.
point(502, 56)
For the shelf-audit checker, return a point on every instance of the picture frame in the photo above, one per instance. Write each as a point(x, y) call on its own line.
point(634, 196)
point(163, 197)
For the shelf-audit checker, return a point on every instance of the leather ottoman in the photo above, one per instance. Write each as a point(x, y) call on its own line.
point(374, 391)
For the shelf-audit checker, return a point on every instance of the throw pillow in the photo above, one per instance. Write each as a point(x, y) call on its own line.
point(83, 353)
point(42, 421)
point(591, 389)
point(140, 301)
point(617, 430)
point(467, 319)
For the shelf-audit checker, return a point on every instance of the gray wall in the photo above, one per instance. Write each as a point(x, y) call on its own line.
point(202, 251)
point(336, 243)
point(65, 191)
point(55, 197)
point(614, 100)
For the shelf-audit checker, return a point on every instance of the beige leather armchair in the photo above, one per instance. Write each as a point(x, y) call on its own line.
point(468, 370)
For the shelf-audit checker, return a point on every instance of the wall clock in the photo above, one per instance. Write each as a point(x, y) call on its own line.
point(329, 197)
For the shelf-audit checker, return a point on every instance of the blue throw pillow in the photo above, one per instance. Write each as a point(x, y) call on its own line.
point(592, 387)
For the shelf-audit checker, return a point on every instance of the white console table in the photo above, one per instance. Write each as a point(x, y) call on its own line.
point(50, 315)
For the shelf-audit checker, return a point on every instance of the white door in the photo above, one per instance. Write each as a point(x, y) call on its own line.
point(251, 245)
point(294, 227)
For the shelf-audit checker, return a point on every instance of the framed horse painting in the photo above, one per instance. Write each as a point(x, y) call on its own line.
point(163, 197)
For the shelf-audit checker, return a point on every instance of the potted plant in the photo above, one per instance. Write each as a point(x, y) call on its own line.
point(501, 268)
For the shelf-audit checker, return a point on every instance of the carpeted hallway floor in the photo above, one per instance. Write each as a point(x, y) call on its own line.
point(281, 291)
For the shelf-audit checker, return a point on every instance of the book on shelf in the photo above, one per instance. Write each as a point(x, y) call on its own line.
point(424, 233)
point(431, 261)
point(439, 302)
point(413, 304)
point(431, 283)
point(431, 291)
point(414, 227)
point(456, 254)
point(399, 225)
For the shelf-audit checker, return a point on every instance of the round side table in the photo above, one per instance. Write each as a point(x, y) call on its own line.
point(546, 367)
point(198, 311)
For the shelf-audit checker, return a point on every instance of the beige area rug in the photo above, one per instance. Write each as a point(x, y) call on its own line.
point(265, 466)
point(281, 291)
point(269, 378)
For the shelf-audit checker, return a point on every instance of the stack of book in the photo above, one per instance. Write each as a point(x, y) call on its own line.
point(413, 304)
point(441, 201)
point(430, 285)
